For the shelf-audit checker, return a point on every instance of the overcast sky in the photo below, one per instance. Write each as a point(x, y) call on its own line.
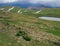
point(32, 1)
point(50, 2)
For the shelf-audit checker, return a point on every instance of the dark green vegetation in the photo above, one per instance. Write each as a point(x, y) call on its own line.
point(27, 29)
point(24, 35)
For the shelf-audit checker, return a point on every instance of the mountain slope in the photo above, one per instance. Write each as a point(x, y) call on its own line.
point(31, 30)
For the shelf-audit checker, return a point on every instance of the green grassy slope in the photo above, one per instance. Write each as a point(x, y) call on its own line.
point(50, 12)
point(27, 30)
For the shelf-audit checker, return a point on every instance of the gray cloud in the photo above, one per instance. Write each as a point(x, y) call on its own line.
point(7, 1)
point(55, 3)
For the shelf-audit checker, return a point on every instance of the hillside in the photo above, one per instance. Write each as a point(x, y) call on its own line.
point(24, 28)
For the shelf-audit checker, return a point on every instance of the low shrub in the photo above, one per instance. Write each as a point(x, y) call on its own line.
point(27, 38)
point(24, 35)
point(20, 33)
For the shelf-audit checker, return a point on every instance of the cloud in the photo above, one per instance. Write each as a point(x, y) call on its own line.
point(7, 1)
point(30, 1)
point(52, 3)
point(44, 2)
point(40, 1)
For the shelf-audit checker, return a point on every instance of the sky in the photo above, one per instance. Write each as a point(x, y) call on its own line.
point(55, 3)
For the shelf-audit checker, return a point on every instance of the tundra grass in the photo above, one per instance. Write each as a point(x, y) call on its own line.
point(42, 32)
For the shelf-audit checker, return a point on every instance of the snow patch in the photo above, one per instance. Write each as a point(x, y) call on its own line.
point(19, 11)
point(2, 8)
point(38, 12)
point(10, 9)
point(50, 18)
